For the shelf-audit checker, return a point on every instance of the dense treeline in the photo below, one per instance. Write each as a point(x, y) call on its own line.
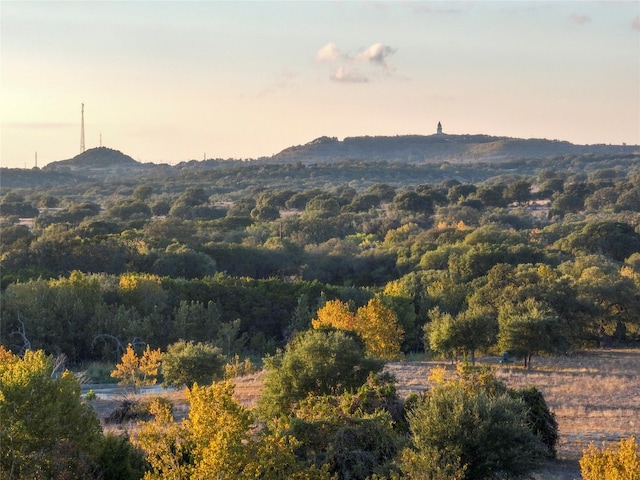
point(133, 263)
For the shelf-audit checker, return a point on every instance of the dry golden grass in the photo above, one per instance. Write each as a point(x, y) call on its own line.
point(595, 396)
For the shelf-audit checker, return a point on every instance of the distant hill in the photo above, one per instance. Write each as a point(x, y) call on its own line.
point(436, 148)
point(105, 164)
point(98, 160)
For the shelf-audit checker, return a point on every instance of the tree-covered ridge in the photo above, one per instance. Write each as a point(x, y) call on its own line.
point(469, 161)
point(434, 148)
point(446, 258)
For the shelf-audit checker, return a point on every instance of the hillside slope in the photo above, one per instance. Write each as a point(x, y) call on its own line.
point(436, 148)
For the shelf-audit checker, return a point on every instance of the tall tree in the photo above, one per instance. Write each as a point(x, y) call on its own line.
point(375, 323)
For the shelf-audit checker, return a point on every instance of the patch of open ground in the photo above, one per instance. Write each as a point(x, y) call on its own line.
point(595, 396)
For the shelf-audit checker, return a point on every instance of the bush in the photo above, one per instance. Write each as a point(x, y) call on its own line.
point(99, 372)
point(135, 410)
point(539, 417)
point(236, 368)
point(316, 362)
point(615, 463)
point(354, 435)
point(186, 363)
point(464, 433)
point(118, 459)
point(46, 431)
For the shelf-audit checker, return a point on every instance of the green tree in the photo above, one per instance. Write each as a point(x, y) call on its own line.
point(518, 192)
point(530, 328)
point(180, 261)
point(616, 240)
point(265, 213)
point(315, 362)
point(438, 333)
point(118, 459)
point(45, 429)
point(186, 363)
point(467, 332)
point(475, 329)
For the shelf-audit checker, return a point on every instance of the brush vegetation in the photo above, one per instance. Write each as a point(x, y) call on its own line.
point(217, 262)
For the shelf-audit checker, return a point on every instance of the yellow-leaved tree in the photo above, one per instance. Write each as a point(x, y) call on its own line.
point(335, 314)
point(138, 371)
point(376, 324)
point(219, 440)
point(378, 327)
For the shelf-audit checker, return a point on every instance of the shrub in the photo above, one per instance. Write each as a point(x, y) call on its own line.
point(236, 368)
point(46, 431)
point(353, 439)
point(135, 410)
point(539, 417)
point(186, 363)
point(316, 362)
point(465, 433)
point(118, 459)
point(99, 372)
point(91, 395)
point(615, 463)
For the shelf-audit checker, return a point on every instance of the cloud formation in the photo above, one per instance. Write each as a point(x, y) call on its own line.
point(343, 74)
point(355, 68)
point(377, 53)
point(329, 53)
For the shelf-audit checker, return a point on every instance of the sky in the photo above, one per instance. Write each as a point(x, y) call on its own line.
point(171, 81)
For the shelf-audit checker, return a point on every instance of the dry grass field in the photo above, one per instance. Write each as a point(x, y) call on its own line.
point(595, 396)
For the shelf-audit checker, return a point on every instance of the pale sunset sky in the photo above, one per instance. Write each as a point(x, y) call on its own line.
point(168, 81)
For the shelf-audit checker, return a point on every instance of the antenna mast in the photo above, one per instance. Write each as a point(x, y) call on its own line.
point(82, 132)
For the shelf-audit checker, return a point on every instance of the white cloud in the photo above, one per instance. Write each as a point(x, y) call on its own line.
point(377, 54)
point(344, 74)
point(329, 53)
point(353, 68)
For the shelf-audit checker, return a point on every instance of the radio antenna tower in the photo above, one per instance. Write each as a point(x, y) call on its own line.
point(82, 132)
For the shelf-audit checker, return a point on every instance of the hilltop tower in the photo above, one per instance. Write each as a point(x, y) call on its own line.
point(82, 130)
point(439, 128)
